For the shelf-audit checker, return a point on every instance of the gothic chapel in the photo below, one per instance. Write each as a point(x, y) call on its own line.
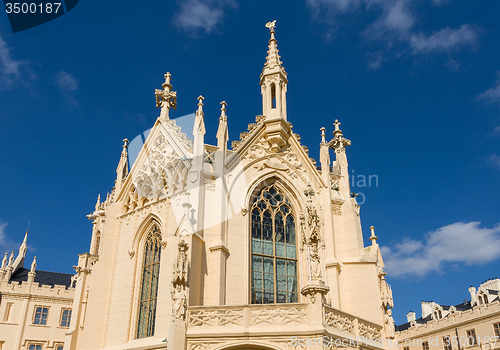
point(250, 247)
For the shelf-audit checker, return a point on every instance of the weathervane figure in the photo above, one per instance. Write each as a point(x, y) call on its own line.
point(271, 25)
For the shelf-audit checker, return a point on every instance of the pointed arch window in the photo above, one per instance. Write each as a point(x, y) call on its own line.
point(149, 284)
point(274, 249)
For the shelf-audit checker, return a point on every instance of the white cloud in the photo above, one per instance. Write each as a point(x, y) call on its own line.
point(456, 243)
point(202, 14)
point(397, 19)
point(6, 244)
point(494, 161)
point(65, 82)
point(491, 95)
point(444, 40)
point(9, 68)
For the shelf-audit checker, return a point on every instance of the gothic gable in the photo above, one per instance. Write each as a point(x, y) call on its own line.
point(162, 165)
point(267, 146)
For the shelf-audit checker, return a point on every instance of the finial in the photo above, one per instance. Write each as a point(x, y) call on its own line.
point(337, 125)
point(28, 228)
point(167, 84)
point(223, 116)
point(4, 261)
point(200, 104)
point(323, 136)
point(11, 258)
point(166, 98)
point(373, 238)
point(125, 143)
point(33, 265)
point(98, 203)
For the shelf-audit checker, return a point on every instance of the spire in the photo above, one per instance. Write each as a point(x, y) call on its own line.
point(199, 133)
point(24, 246)
point(273, 57)
point(199, 123)
point(122, 168)
point(125, 147)
point(222, 134)
point(273, 80)
point(166, 98)
point(324, 157)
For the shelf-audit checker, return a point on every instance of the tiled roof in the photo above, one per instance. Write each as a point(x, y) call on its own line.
point(43, 277)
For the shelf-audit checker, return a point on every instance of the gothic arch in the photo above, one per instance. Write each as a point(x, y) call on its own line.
point(142, 230)
point(275, 177)
point(248, 345)
point(273, 220)
point(138, 250)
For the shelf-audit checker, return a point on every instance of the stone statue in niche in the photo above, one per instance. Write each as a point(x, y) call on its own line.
point(310, 226)
point(315, 263)
point(180, 282)
point(181, 265)
point(389, 325)
point(179, 304)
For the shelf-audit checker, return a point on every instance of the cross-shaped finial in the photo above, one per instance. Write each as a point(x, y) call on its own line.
point(167, 77)
point(336, 124)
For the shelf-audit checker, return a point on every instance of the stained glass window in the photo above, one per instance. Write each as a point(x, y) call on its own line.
point(149, 284)
point(274, 251)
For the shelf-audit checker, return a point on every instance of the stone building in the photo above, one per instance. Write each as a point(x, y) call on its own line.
point(473, 324)
point(255, 246)
point(35, 305)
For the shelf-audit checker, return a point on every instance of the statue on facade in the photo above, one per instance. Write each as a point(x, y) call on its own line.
point(180, 282)
point(311, 238)
point(179, 303)
point(389, 325)
point(181, 265)
point(315, 263)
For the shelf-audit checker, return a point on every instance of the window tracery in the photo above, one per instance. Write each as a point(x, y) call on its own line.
point(149, 284)
point(273, 248)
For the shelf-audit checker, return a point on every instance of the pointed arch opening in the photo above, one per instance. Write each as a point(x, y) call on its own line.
point(273, 95)
point(149, 283)
point(273, 248)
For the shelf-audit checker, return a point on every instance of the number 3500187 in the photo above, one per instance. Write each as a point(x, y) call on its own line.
point(32, 7)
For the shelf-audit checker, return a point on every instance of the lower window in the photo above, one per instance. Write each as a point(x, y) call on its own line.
point(35, 347)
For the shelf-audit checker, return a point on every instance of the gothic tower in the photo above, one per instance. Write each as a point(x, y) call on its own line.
point(254, 247)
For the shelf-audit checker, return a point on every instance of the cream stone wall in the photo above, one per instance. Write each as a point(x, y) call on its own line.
point(481, 318)
point(19, 302)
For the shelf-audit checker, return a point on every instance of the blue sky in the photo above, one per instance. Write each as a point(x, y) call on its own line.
point(415, 84)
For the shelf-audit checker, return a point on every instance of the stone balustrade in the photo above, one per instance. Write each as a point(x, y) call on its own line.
point(351, 324)
point(292, 318)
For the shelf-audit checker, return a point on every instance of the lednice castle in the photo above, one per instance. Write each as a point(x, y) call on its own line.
point(253, 247)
